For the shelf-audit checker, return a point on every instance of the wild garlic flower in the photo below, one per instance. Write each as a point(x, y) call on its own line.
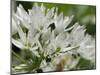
point(47, 35)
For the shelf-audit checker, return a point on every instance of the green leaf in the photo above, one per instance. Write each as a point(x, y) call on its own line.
point(85, 64)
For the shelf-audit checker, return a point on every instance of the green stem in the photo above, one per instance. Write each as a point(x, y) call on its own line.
point(21, 59)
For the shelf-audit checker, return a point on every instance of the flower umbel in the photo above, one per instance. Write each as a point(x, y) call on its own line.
point(47, 42)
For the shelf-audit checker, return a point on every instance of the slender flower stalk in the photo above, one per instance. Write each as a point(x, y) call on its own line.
point(48, 41)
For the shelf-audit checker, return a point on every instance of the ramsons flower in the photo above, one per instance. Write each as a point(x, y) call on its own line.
point(54, 46)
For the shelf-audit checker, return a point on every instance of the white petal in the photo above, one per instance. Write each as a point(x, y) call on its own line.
point(21, 34)
point(69, 48)
point(14, 26)
point(31, 34)
point(17, 43)
point(23, 16)
point(69, 20)
point(34, 48)
point(34, 51)
point(50, 12)
point(68, 29)
point(43, 8)
point(60, 18)
point(20, 11)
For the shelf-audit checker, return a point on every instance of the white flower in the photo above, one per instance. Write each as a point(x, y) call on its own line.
point(85, 42)
point(87, 48)
point(61, 46)
point(41, 18)
point(14, 24)
point(25, 40)
point(62, 23)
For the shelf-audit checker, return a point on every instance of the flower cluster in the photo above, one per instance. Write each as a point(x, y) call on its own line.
point(48, 41)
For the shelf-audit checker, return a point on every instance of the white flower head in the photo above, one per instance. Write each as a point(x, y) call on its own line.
point(48, 36)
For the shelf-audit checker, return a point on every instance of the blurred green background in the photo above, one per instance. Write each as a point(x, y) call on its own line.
point(84, 14)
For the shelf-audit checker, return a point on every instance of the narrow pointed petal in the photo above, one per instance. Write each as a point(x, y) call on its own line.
point(69, 48)
point(14, 26)
point(21, 34)
point(34, 48)
point(69, 20)
point(18, 43)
